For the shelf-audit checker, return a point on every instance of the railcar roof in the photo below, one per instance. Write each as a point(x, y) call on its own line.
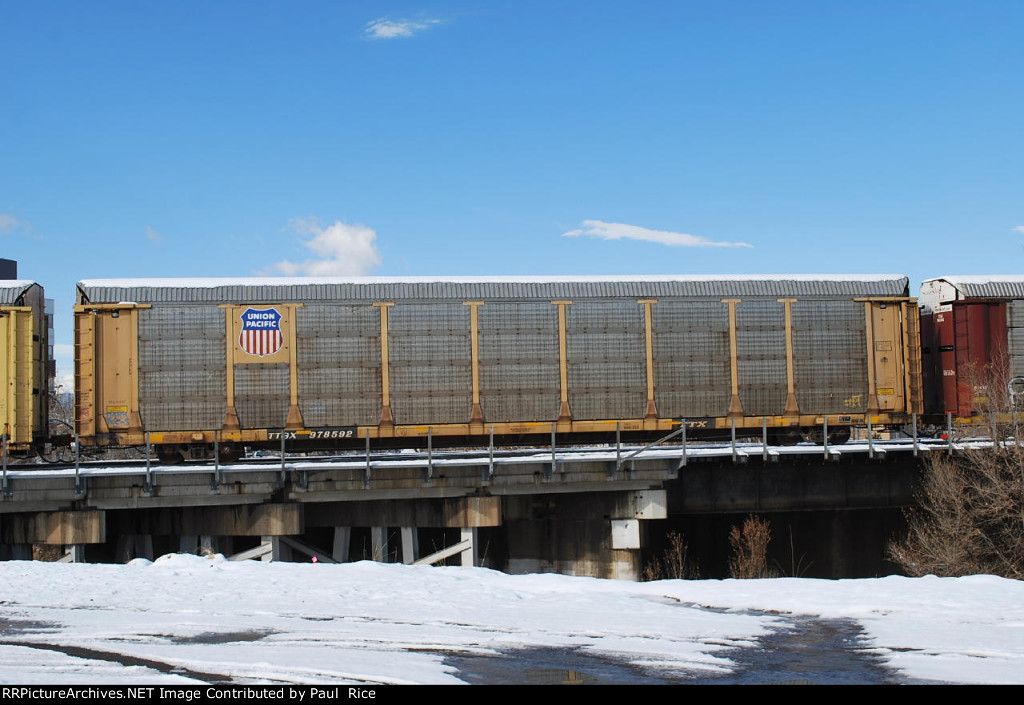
point(1002, 286)
point(254, 289)
point(11, 290)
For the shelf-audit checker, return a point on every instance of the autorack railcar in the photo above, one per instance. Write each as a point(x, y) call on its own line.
point(24, 366)
point(333, 361)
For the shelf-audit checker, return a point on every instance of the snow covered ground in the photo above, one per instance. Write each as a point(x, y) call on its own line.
point(185, 618)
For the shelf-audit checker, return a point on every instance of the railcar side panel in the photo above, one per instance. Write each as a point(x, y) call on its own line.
point(339, 365)
point(519, 361)
point(691, 358)
point(607, 360)
point(261, 395)
point(431, 371)
point(182, 368)
point(761, 353)
point(830, 356)
point(1015, 337)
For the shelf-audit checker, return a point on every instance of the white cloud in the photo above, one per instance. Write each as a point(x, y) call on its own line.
point(383, 28)
point(341, 249)
point(152, 235)
point(7, 223)
point(622, 231)
point(1019, 229)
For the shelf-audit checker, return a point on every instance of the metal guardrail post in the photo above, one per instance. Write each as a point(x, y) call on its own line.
point(554, 457)
point(618, 445)
point(366, 472)
point(215, 482)
point(490, 454)
point(732, 436)
point(871, 439)
point(148, 488)
point(824, 434)
point(682, 429)
point(913, 422)
point(764, 439)
point(284, 471)
point(430, 454)
point(949, 432)
point(78, 465)
point(6, 487)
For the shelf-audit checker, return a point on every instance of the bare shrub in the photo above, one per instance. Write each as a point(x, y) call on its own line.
point(749, 543)
point(970, 516)
point(674, 563)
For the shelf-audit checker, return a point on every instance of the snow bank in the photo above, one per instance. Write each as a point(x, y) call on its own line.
point(369, 622)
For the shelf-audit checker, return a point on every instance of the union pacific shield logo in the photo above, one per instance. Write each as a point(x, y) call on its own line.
point(261, 331)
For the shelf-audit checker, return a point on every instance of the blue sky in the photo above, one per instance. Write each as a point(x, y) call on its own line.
point(407, 138)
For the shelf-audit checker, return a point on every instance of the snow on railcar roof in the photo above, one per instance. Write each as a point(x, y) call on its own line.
point(210, 282)
point(942, 290)
point(11, 290)
point(441, 288)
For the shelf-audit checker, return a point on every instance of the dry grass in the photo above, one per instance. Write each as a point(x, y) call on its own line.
point(749, 543)
point(674, 563)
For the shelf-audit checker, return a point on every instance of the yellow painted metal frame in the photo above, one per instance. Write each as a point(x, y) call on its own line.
point(652, 406)
point(387, 419)
point(523, 428)
point(476, 416)
point(92, 381)
point(18, 412)
point(564, 413)
point(735, 405)
point(792, 408)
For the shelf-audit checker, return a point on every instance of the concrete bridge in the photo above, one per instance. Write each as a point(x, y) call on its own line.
point(572, 510)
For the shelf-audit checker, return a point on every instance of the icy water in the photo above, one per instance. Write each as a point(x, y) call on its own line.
point(813, 652)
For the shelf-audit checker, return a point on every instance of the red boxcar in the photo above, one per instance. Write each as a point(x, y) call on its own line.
point(967, 339)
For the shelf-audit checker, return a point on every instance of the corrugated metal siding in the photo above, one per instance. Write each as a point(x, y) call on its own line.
point(519, 361)
point(261, 395)
point(182, 378)
point(607, 360)
point(692, 374)
point(339, 365)
point(1015, 335)
point(830, 357)
point(508, 290)
point(431, 373)
point(761, 356)
point(10, 295)
point(990, 290)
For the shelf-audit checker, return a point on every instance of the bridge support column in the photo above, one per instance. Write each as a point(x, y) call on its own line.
point(470, 557)
point(210, 545)
point(379, 543)
point(74, 554)
point(131, 546)
point(276, 550)
point(16, 552)
point(342, 541)
point(410, 544)
point(596, 534)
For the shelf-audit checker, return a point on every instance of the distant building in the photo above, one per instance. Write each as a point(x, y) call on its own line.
point(8, 269)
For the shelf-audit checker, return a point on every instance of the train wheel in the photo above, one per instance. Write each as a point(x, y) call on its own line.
point(170, 454)
point(787, 437)
point(839, 435)
point(230, 452)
